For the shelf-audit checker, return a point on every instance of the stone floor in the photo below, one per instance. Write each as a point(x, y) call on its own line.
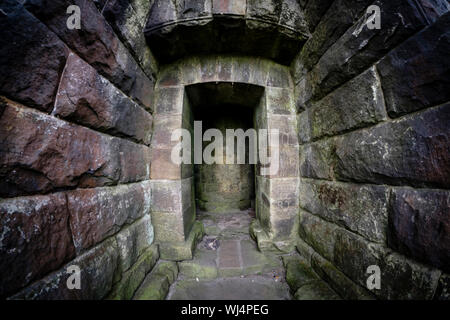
point(227, 264)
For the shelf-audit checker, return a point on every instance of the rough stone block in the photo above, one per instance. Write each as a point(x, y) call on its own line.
point(36, 239)
point(425, 55)
point(98, 213)
point(316, 290)
point(53, 154)
point(409, 151)
point(401, 278)
point(133, 241)
point(361, 209)
point(128, 19)
point(360, 46)
point(434, 8)
point(303, 127)
point(177, 251)
point(87, 98)
point(156, 284)
point(99, 271)
point(356, 104)
point(297, 272)
point(97, 44)
point(443, 288)
point(30, 68)
point(420, 225)
point(133, 278)
point(314, 10)
point(345, 287)
point(135, 161)
point(340, 16)
point(318, 233)
point(317, 159)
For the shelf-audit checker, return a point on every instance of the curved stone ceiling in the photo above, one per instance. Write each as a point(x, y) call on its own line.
point(274, 29)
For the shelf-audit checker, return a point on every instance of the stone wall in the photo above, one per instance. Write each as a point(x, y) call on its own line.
point(75, 128)
point(373, 122)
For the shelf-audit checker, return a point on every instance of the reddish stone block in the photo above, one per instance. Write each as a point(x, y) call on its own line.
point(36, 239)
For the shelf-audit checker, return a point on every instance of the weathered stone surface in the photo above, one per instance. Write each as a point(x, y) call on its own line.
point(317, 159)
point(99, 213)
point(318, 233)
point(95, 43)
point(55, 154)
point(292, 16)
point(177, 251)
point(133, 241)
point(279, 101)
point(345, 287)
point(237, 7)
point(337, 113)
point(297, 273)
point(443, 289)
point(314, 10)
point(235, 288)
point(171, 196)
point(339, 17)
point(434, 8)
point(128, 19)
point(405, 91)
point(264, 9)
point(360, 46)
point(316, 290)
point(156, 284)
point(169, 100)
point(411, 151)
point(99, 270)
point(31, 58)
point(420, 225)
point(202, 266)
point(401, 278)
point(35, 239)
point(304, 250)
point(132, 279)
point(87, 98)
point(173, 223)
point(361, 209)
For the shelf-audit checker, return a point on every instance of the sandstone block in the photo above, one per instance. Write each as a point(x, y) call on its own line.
point(36, 239)
point(424, 55)
point(133, 241)
point(420, 225)
point(30, 68)
point(99, 213)
point(87, 98)
point(361, 209)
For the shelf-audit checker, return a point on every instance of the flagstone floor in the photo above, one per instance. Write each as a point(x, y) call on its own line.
point(227, 264)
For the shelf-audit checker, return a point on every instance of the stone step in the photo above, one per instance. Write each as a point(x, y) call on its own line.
point(304, 283)
point(232, 258)
point(236, 288)
point(157, 283)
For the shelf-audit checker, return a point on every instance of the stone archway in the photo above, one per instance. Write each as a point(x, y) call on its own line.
point(173, 207)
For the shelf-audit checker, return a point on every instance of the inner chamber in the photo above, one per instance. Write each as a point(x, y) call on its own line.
point(225, 187)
